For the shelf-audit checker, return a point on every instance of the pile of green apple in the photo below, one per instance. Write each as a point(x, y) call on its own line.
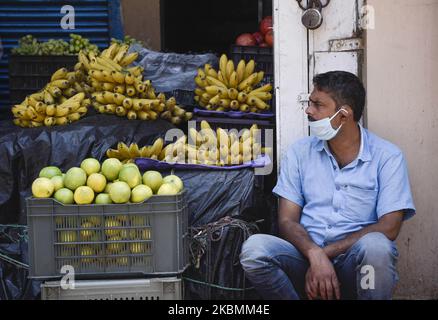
point(106, 183)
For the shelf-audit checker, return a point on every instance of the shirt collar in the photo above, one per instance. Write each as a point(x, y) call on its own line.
point(364, 151)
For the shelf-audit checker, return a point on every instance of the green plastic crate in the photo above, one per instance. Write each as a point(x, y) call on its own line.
point(149, 238)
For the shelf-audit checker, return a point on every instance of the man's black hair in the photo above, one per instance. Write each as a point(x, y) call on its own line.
point(345, 88)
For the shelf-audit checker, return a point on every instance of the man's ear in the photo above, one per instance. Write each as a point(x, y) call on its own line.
point(346, 113)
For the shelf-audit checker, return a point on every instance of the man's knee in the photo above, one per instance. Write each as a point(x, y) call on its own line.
point(375, 247)
point(254, 251)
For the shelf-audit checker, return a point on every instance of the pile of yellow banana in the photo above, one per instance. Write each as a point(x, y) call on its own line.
point(128, 153)
point(220, 147)
point(232, 88)
point(103, 81)
point(61, 101)
point(140, 108)
point(206, 147)
point(123, 91)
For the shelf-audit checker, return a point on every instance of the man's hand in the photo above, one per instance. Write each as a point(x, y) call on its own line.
point(321, 279)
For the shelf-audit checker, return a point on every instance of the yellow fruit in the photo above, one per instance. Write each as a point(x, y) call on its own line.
point(59, 74)
point(42, 188)
point(90, 166)
point(223, 61)
point(95, 221)
point(240, 70)
point(168, 189)
point(84, 195)
point(109, 225)
point(87, 234)
point(138, 221)
point(67, 236)
point(153, 179)
point(114, 248)
point(87, 251)
point(137, 248)
point(97, 182)
point(249, 69)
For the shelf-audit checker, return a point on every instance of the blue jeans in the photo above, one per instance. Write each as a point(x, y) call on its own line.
point(277, 269)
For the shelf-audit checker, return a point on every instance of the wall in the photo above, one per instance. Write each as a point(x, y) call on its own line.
point(402, 78)
point(141, 20)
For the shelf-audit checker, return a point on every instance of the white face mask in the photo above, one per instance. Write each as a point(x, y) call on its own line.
point(323, 129)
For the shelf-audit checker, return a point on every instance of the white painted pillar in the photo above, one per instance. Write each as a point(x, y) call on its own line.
point(291, 76)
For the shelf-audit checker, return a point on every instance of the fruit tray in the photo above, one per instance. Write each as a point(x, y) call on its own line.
point(148, 238)
point(151, 164)
point(234, 114)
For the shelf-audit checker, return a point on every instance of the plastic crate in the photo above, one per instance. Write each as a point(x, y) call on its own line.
point(29, 74)
point(136, 289)
point(148, 238)
point(263, 57)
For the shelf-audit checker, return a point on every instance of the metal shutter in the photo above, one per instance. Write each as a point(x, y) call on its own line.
point(98, 20)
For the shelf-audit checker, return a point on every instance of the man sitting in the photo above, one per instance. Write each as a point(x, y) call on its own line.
point(344, 193)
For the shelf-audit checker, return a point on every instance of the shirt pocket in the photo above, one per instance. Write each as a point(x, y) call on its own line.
point(360, 204)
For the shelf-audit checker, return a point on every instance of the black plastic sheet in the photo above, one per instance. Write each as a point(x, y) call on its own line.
point(25, 151)
point(14, 284)
point(211, 195)
point(216, 272)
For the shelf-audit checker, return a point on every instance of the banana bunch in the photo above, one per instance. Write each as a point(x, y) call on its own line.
point(61, 101)
point(123, 91)
point(128, 153)
point(232, 88)
point(177, 114)
point(148, 107)
point(114, 58)
point(108, 71)
point(211, 147)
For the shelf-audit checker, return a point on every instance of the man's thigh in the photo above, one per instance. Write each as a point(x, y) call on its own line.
point(267, 252)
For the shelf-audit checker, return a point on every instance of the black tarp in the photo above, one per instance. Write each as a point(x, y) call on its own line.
point(211, 195)
point(24, 152)
point(14, 284)
point(215, 272)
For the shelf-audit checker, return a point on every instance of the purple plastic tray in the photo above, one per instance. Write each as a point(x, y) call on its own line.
point(233, 114)
point(151, 164)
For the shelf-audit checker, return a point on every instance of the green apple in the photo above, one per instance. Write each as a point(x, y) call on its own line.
point(175, 180)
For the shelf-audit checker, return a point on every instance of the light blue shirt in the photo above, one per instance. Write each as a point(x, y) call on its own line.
point(336, 202)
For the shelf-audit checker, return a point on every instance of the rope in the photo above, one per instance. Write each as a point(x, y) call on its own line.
point(214, 232)
point(13, 226)
point(14, 262)
point(215, 285)
point(21, 236)
point(201, 239)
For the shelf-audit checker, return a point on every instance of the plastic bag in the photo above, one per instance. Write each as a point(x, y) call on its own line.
point(171, 71)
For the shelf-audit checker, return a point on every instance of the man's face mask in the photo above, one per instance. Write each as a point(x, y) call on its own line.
point(322, 129)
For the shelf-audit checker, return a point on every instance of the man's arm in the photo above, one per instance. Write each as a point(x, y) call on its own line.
point(291, 229)
point(390, 225)
point(321, 280)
